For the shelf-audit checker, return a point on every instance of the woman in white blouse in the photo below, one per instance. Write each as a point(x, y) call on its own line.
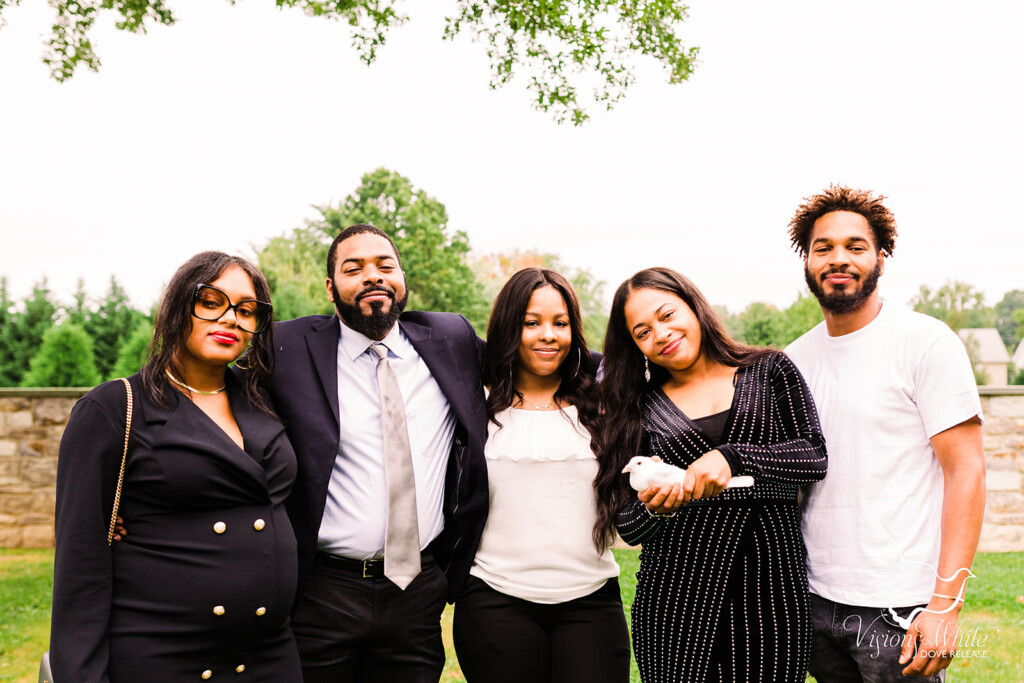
point(542, 600)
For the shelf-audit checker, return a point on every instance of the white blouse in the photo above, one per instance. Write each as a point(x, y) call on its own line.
point(538, 541)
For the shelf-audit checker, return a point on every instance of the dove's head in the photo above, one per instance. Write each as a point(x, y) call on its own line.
point(635, 463)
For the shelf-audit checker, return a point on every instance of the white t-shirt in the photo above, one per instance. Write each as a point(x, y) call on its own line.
point(881, 393)
point(537, 543)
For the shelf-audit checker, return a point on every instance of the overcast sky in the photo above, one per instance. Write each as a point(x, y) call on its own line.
point(222, 130)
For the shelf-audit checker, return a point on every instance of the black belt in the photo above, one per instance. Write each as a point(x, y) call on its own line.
point(368, 569)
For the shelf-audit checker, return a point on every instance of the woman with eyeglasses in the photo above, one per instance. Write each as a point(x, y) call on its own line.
point(201, 587)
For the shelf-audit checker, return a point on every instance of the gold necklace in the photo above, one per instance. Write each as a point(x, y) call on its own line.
point(194, 391)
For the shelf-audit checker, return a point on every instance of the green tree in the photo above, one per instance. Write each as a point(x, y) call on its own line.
point(78, 312)
point(433, 258)
point(561, 44)
point(593, 306)
point(295, 267)
point(730, 320)
point(1006, 310)
point(761, 324)
point(801, 316)
point(1016, 375)
point(110, 325)
point(64, 359)
point(956, 303)
point(980, 375)
point(8, 376)
point(24, 331)
point(494, 270)
point(134, 352)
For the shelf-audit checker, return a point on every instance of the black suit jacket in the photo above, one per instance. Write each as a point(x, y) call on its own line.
point(304, 389)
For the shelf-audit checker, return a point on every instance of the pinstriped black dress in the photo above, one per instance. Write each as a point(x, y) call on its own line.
point(722, 587)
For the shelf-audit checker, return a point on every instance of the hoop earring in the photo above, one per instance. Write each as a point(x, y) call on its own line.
point(244, 357)
point(579, 362)
point(647, 370)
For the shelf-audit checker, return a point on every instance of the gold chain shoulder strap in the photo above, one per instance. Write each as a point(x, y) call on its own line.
point(124, 458)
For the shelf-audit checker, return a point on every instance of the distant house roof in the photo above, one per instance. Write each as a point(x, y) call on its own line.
point(985, 344)
point(1018, 356)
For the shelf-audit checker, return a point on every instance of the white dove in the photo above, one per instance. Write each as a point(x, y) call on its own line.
point(643, 472)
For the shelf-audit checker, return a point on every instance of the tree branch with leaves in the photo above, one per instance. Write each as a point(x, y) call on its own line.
point(565, 46)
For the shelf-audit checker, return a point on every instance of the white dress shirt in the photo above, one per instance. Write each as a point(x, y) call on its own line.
point(354, 517)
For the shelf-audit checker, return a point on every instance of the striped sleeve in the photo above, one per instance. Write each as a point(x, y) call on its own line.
point(785, 442)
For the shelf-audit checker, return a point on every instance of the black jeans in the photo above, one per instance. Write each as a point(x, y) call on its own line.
point(858, 644)
point(502, 639)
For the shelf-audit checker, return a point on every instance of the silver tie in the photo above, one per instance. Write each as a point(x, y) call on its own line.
point(401, 527)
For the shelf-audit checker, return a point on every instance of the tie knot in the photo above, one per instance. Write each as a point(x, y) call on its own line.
point(380, 350)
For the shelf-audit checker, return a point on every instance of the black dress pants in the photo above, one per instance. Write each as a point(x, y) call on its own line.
point(351, 629)
point(502, 639)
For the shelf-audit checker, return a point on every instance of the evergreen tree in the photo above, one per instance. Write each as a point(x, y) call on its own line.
point(8, 377)
point(23, 333)
point(110, 325)
point(78, 312)
point(64, 360)
point(134, 352)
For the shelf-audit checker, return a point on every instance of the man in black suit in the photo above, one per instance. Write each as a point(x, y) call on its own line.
point(351, 622)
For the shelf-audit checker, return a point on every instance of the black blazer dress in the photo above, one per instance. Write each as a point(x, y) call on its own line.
point(202, 585)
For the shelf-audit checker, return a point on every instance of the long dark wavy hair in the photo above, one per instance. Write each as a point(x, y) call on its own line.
point(504, 333)
point(623, 384)
point(173, 325)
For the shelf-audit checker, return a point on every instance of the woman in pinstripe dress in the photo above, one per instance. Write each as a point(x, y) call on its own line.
point(722, 589)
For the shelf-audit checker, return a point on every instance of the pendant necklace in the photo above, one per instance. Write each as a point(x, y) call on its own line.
point(534, 406)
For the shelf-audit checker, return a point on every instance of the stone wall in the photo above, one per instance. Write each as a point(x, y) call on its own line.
point(1004, 461)
point(32, 422)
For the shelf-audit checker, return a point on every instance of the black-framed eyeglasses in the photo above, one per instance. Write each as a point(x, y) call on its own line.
point(209, 303)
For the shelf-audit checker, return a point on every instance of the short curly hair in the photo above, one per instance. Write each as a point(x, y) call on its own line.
point(842, 198)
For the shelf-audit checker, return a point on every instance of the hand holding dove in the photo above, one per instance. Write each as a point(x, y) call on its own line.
point(663, 487)
point(645, 472)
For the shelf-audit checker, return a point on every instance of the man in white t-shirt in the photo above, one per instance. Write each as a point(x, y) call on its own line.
point(891, 531)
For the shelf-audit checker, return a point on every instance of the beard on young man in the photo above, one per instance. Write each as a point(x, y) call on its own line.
point(847, 298)
point(377, 323)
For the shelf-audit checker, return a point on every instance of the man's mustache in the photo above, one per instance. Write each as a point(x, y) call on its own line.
point(376, 288)
point(839, 271)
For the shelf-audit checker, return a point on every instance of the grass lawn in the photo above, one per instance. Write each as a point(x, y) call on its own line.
point(26, 580)
point(992, 624)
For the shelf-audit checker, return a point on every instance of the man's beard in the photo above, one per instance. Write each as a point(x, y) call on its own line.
point(850, 297)
point(376, 324)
